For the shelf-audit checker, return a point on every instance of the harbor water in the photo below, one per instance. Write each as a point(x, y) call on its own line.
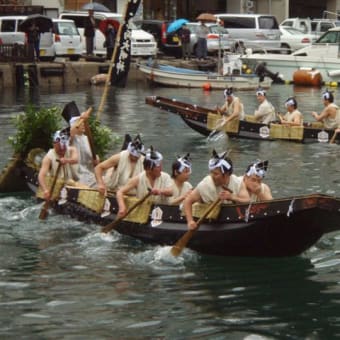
point(63, 279)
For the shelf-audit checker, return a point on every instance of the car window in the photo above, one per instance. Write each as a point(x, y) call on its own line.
point(218, 29)
point(287, 23)
point(8, 26)
point(79, 20)
point(331, 37)
point(238, 22)
point(268, 23)
point(325, 26)
point(66, 28)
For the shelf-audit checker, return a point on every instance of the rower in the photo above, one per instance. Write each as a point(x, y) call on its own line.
point(61, 153)
point(232, 107)
point(265, 112)
point(253, 177)
point(220, 183)
point(330, 115)
point(152, 178)
point(293, 117)
point(181, 170)
point(115, 171)
point(84, 170)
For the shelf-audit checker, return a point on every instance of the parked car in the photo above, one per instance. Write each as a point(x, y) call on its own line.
point(293, 39)
point(9, 30)
point(256, 31)
point(217, 39)
point(167, 43)
point(142, 43)
point(311, 26)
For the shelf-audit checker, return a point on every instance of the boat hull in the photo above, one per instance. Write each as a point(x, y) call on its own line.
point(197, 118)
point(283, 227)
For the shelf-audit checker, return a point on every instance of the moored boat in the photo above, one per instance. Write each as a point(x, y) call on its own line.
point(168, 75)
point(207, 121)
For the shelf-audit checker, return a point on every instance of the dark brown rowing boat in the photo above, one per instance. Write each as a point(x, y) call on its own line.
point(208, 121)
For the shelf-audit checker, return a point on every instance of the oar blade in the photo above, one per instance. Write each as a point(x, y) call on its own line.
point(43, 213)
point(110, 226)
point(177, 249)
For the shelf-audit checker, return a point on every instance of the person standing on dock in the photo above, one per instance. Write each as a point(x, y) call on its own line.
point(89, 32)
point(33, 40)
point(184, 35)
point(202, 47)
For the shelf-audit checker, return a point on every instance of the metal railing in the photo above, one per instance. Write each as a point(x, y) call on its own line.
point(14, 53)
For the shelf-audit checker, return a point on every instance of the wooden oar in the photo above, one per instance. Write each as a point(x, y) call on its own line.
point(44, 210)
point(333, 138)
point(113, 224)
point(178, 247)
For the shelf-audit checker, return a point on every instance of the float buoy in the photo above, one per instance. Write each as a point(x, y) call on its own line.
point(307, 77)
point(206, 86)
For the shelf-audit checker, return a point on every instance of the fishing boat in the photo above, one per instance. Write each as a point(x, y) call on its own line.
point(208, 121)
point(168, 75)
point(281, 227)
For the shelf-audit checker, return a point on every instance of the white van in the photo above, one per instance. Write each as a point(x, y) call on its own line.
point(9, 30)
point(142, 43)
point(256, 31)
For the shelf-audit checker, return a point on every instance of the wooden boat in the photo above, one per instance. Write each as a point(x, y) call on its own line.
point(168, 75)
point(208, 121)
point(282, 227)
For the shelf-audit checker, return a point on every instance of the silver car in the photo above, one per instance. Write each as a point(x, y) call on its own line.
point(217, 39)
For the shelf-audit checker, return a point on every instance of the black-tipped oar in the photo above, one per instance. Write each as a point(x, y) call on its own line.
point(178, 247)
point(114, 223)
point(44, 210)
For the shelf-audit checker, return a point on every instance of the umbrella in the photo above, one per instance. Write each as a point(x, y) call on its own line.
point(43, 22)
point(176, 25)
point(208, 17)
point(104, 23)
point(96, 6)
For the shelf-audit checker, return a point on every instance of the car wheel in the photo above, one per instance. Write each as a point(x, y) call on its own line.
point(285, 49)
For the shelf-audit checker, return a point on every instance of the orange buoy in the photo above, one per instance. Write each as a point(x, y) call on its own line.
point(307, 77)
point(206, 86)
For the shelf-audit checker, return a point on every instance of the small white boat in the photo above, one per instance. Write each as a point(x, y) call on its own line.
point(169, 75)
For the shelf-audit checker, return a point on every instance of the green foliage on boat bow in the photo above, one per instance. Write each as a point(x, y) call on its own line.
point(36, 126)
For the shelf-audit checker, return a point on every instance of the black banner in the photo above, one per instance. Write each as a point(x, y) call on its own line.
point(122, 53)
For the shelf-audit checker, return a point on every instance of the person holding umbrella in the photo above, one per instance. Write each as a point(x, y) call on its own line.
point(202, 47)
point(184, 34)
point(33, 39)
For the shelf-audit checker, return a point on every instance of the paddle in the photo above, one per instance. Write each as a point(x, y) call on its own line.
point(113, 224)
point(44, 210)
point(178, 247)
point(333, 138)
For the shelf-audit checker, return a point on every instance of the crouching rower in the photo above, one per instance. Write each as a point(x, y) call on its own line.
point(151, 178)
point(253, 180)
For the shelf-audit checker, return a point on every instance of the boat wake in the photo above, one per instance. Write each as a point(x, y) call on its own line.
point(160, 258)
